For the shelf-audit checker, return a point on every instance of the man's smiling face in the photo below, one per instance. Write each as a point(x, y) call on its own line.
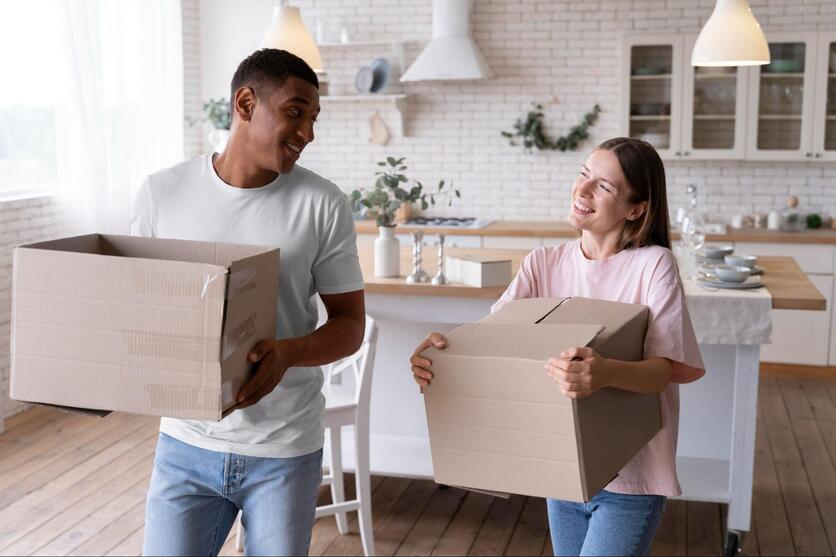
point(282, 124)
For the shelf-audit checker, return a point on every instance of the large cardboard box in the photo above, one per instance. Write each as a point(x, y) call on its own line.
point(497, 420)
point(142, 325)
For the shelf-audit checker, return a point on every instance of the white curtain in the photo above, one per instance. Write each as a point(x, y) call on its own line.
point(123, 114)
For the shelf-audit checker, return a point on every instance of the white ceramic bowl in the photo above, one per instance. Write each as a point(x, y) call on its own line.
point(741, 260)
point(731, 273)
point(716, 252)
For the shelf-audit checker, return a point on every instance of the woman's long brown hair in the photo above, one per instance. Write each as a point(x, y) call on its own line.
point(645, 175)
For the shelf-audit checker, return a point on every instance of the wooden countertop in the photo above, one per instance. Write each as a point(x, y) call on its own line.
point(559, 229)
point(789, 286)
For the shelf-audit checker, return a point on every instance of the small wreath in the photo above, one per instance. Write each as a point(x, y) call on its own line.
point(533, 134)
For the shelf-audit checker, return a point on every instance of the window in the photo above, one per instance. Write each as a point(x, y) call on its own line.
point(32, 89)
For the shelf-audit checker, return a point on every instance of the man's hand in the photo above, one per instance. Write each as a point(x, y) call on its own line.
point(274, 358)
point(579, 372)
point(420, 365)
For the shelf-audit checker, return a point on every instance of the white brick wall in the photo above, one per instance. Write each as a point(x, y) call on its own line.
point(21, 222)
point(566, 54)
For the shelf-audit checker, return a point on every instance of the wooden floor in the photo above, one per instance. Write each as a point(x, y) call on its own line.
point(73, 485)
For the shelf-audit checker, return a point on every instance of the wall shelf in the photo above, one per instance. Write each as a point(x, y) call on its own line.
point(398, 48)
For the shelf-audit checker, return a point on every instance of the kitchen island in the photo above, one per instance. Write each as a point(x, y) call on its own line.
point(718, 413)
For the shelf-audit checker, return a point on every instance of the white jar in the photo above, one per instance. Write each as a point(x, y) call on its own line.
point(387, 253)
point(773, 220)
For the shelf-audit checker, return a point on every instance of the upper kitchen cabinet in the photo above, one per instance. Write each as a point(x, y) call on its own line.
point(685, 112)
point(781, 100)
point(824, 132)
point(653, 81)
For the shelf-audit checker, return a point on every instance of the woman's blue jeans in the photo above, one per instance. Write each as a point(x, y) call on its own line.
point(609, 524)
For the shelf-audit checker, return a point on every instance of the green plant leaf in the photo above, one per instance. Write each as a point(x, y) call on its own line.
point(391, 161)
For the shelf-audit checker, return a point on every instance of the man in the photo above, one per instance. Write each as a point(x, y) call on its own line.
point(264, 458)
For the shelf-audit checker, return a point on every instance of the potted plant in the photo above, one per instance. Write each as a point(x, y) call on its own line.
point(391, 191)
point(217, 113)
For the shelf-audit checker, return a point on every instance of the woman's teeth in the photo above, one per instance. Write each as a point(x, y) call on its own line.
point(583, 208)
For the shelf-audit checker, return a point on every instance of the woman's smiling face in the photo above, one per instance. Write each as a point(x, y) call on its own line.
point(601, 195)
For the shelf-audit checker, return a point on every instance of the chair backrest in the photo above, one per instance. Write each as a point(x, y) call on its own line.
point(360, 363)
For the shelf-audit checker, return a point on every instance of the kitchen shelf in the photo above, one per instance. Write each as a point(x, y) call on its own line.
point(398, 47)
point(798, 75)
point(650, 117)
point(779, 117)
point(714, 116)
point(651, 76)
point(716, 76)
point(399, 100)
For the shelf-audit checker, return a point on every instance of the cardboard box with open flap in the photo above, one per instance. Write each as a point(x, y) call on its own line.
point(144, 325)
point(499, 423)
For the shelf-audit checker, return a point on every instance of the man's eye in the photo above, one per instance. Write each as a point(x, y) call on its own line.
point(295, 112)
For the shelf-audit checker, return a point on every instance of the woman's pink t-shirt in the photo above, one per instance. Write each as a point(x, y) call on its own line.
point(645, 276)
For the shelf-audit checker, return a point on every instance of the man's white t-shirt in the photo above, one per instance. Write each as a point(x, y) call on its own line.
point(310, 220)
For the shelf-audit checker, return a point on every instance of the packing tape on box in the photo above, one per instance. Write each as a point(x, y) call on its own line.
point(188, 398)
point(175, 347)
point(153, 283)
point(235, 337)
point(241, 281)
point(209, 278)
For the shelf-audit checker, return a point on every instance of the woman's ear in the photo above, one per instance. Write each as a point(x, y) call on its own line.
point(636, 211)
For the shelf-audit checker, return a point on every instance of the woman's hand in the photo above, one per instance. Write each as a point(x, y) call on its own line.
point(420, 365)
point(579, 372)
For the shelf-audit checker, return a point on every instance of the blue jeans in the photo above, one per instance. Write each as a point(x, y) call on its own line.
point(196, 494)
point(610, 524)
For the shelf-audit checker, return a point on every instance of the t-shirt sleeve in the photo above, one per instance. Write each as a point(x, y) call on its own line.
point(142, 213)
point(670, 333)
point(523, 285)
point(336, 268)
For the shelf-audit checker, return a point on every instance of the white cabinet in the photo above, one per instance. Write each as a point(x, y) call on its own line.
point(781, 100)
point(685, 112)
point(801, 337)
point(824, 130)
point(812, 258)
point(783, 111)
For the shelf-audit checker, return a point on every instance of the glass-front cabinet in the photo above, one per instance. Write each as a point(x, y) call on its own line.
point(781, 100)
point(651, 109)
point(684, 112)
point(824, 134)
point(783, 111)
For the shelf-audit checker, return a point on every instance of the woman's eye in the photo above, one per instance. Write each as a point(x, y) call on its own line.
point(605, 188)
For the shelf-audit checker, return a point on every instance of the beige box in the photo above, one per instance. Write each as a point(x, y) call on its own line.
point(144, 325)
point(478, 270)
point(498, 422)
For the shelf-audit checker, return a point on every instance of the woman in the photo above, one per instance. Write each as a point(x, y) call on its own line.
point(620, 206)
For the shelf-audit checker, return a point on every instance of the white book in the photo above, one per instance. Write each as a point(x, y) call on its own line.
point(478, 270)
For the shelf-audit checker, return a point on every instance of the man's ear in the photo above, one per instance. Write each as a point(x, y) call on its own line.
point(637, 211)
point(244, 103)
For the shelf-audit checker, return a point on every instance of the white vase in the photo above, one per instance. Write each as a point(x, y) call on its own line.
point(387, 253)
point(217, 139)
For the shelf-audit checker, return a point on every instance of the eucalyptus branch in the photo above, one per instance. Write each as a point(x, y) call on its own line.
point(533, 133)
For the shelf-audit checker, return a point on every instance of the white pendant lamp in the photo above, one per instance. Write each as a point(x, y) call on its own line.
point(731, 37)
point(287, 32)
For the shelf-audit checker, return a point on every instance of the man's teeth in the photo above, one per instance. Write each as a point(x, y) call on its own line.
point(580, 207)
point(294, 148)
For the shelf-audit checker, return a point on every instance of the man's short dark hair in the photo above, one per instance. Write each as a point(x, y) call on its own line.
point(267, 69)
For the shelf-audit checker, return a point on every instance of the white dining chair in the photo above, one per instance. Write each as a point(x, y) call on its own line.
point(347, 404)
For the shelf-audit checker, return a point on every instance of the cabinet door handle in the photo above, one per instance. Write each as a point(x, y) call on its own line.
point(679, 153)
point(808, 155)
point(818, 155)
point(687, 153)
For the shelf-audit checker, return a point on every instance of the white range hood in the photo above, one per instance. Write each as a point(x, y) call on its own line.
point(451, 54)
